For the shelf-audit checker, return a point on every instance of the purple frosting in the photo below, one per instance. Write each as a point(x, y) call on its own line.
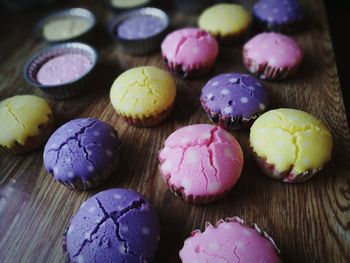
point(81, 149)
point(117, 225)
point(234, 95)
point(139, 27)
point(278, 12)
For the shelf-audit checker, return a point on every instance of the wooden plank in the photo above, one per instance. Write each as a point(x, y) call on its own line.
point(310, 222)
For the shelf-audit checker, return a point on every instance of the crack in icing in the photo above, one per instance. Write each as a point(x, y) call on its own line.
point(114, 216)
point(8, 107)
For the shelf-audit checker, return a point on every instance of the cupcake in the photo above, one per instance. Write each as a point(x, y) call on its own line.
point(277, 15)
point(201, 162)
point(61, 70)
point(82, 153)
point(234, 100)
point(189, 52)
point(141, 31)
point(123, 5)
point(227, 22)
point(272, 56)
point(67, 25)
point(229, 241)
point(116, 225)
point(26, 123)
point(143, 96)
point(290, 145)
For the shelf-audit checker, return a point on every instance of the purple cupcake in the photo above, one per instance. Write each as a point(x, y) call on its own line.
point(234, 100)
point(277, 15)
point(117, 225)
point(82, 153)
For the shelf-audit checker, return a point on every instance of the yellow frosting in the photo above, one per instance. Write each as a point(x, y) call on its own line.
point(65, 27)
point(224, 19)
point(143, 92)
point(20, 117)
point(291, 138)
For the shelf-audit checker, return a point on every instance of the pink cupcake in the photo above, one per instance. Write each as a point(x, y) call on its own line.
point(272, 56)
point(189, 52)
point(230, 241)
point(201, 162)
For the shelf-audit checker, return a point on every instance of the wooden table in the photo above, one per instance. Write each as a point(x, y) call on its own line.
point(310, 221)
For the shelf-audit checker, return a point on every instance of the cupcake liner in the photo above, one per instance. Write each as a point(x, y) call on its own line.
point(287, 176)
point(71, 12)
point(196, 200)
point(265, 71)
point(238, 220)
point(260, 26)
point(195, 71)
point(145, 45)
point(192, 6)
point(147, 121)
point(65, 90)
point(33, 142)
point(233, 123)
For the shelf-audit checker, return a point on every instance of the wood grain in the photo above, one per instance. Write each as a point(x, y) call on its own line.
point(310, 221)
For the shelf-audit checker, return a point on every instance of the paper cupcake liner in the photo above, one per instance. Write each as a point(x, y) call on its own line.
point(147, 121)
point(194, 71)
point(233, 38)
point(265, 71)
point(261, 26)
point(287, 176)
point(33, 142)
point(144, 45)
point(192, 6)
point(233, 123)
point(238, 220)
point(65, 90)
point(71, 12)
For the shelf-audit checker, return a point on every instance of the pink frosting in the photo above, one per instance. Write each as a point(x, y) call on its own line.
point(275, 49)
point(203, 160)
point(229, 242)
point(63, 69)
point(190, 47)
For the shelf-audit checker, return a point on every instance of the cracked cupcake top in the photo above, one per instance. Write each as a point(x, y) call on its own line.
point(81, 149)
point(275, 50)
point(191, 48)
point(201, 160)
point(229, 241)
point(21, 117)
point(234, 95)
point(143, 92)
point(117, 225)
point(291, 140)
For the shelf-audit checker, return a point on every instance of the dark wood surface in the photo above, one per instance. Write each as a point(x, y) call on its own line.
point(310, 222)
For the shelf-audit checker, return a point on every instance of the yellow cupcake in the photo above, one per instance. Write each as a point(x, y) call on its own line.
point(291, 145)
point(26, 121)
point(143, 96)
point(225, 21)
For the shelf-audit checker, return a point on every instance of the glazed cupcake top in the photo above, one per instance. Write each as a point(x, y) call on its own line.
point(274, 49)
point(203, 159)
point(290, 138)
point(116, 225)
point(229, 241)
point(139, 27)
point(21, 117)
point(234, 95)
point(63, 69)
point(224, 19)
point(80, 149)
point(65, 27)
point(143, 92)
point(278, 12)
point(190, 47)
